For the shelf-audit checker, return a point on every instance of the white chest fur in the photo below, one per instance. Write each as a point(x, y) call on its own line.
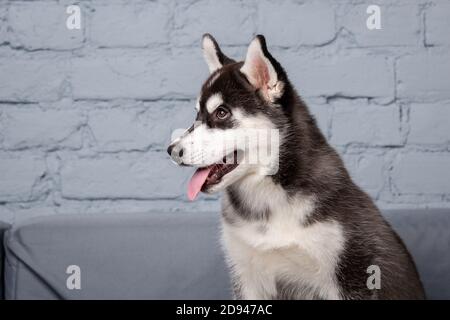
point(263, 253)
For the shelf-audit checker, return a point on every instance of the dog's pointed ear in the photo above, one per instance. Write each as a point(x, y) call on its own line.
point(214, 57)
point(262, 70)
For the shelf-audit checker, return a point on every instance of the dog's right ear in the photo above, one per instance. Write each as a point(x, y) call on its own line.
point(214, 57)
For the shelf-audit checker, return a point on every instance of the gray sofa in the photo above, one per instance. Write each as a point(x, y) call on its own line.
point(167, 255)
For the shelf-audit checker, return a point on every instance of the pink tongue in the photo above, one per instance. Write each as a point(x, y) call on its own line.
point(197, 181)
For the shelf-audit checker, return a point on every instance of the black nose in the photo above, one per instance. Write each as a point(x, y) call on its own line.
point(176, 154)
point(169, 150)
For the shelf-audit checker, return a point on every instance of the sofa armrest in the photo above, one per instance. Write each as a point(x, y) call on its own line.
point(3, 228)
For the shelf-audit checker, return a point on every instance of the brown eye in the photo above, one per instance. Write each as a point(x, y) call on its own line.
point(222, 113)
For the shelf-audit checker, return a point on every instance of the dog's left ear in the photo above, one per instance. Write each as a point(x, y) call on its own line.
point(262, 70)
point(214, 57)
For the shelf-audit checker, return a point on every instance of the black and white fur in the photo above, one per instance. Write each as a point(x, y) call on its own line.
point(306, 232)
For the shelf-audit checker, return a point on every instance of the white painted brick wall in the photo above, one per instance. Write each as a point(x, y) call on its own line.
point(429, 123)
point(370, 125)
point(33, 28)
point(3, 25)
point(19, 175)
point(422, 76)
point(422, 173)
point(395, 31)
point(289, 23)
point(438, 24)
point(143, 176)
point(143, 75)
point(231, 21)
point(32, 127)
point(349, 73)
point(29, 79)
point(86, 115)
point(150, 25)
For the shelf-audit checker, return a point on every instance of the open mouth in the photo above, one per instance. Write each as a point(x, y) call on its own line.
point(208, 176)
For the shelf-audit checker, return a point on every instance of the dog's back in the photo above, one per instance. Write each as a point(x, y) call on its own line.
point(372, 248)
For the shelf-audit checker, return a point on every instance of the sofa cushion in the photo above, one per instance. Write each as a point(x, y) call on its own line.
point(117, 256)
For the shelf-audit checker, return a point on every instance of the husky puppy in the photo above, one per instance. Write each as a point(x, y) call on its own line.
point(305, 230)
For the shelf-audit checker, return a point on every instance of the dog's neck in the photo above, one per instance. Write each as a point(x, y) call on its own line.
point(258, 197)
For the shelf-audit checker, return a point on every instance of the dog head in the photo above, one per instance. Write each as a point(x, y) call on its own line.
point(238, 128)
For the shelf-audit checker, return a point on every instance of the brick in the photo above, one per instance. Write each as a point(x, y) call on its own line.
point(343, 74)
point(119, 129)
point(230, 22)
point(400, 25)
point(422, 173)
point(42, 25)
point(139, 25)
point(148, 176)
point(290, 23)
point(437, 24)
point(420, 76)
point(3, 25)
point(24, 80)
point(139, 128)
point(429, 123)
point(139, 76)
point(122, 76)
point(367, 170)
point(356, 122)
point(33, 127)
point(18, 176)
